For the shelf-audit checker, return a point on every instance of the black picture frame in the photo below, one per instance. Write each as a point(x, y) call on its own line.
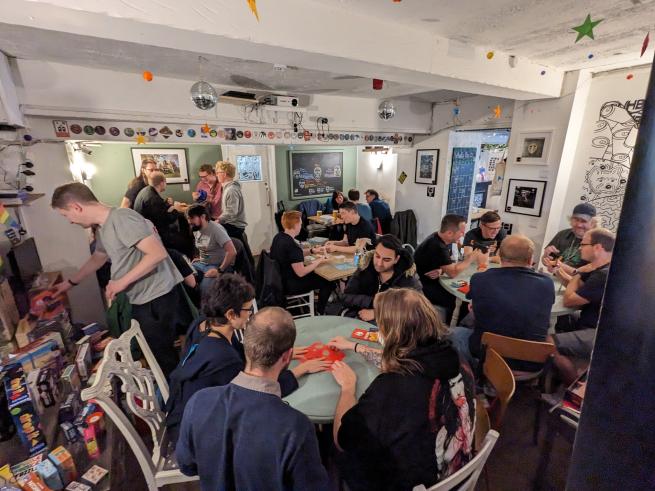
point(525, 197)
point(426, 157)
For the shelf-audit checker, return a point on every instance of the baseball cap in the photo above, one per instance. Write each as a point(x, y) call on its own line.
point(584, 210)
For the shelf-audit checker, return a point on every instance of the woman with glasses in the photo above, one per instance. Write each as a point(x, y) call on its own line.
point(214, 355)
point(487, 237)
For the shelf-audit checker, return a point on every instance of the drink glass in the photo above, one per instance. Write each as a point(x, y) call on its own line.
point(319, 213)
point(334, 214)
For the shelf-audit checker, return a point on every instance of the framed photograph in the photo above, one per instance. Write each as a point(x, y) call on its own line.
point(427, 164)
point(315, 174)
point(525, 197)
point(534, 148)
point(171, 161)
point(249, 168)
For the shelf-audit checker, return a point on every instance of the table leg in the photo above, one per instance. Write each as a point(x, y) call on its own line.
point(455, 318)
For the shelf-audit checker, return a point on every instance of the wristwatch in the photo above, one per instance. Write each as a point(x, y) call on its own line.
point(72, 283)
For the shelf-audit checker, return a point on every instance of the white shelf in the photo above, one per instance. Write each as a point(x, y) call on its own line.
point(279, 109)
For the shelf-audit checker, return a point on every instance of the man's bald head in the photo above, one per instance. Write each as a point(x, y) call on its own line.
point(270, 334)
point(516, 250)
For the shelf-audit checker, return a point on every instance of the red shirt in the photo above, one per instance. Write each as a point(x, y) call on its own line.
point(213, 198)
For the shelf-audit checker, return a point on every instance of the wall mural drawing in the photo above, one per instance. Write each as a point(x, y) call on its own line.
point(612, 146)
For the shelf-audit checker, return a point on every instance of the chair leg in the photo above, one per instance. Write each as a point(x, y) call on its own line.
point(486, 477)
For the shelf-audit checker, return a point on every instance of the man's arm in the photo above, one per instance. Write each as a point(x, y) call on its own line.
point(453, 269)
point(93, 264)
point(125, 202)
point(571, 299)
point(347, 380)
point(153, 253)
point(230, 255)
point(184, 450)
point(230, 207)
point(339, 245)
point(305, 468)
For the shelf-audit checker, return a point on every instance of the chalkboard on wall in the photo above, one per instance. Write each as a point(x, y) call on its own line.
point(315, 174)
point(461, 180)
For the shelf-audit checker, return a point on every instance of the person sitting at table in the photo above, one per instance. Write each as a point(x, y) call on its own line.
point(379, 209)
point(513, 300)
point(433, 257)
point(415, 422)
point(487, 237)
point(563, 251)
point(392, 266)
point(362, 208)
point(334, 202)
point(216, 355)
point(585, 291)
point(356, 228)
point(298, 278)
point(242, 435)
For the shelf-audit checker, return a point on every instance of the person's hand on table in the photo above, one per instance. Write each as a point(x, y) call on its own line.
point(366, 314)
point(341, 343)
point(562, 275)
point(311, 366)
point(211, 273)
point(434, 274)
point(550, 264)
point(299, 352)
point(330, 247)
point(344, 376)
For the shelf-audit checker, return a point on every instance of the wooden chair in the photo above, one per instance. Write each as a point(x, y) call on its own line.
point(303, 303)
point(499, 375)
point(531, 351)
point(139, 386)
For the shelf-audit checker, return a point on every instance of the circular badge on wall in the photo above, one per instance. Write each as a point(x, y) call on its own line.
point(278, 134)
point(247, 134)
point(221, 134)
point(213, 133)
point(271, 135)
point(113, 131)
point(140, 131)
point(153, 131)
point(129, 132)
point(179, 133)
point(239, 134)
point(100, 130)
point(76, 128)
point(191, 132)
point(88, 129)
point(287, 134)
point(347, 136)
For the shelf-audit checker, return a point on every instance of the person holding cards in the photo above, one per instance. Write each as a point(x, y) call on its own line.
point(415, 423)
point(356, 228)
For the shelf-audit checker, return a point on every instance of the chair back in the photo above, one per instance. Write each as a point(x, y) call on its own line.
point(518, 349)
point(467, 477)
point(482, 425)
point(498, 374)
point(242, 264)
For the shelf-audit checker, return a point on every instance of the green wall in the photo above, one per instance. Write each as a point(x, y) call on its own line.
point(115, 169)
point(282, 170)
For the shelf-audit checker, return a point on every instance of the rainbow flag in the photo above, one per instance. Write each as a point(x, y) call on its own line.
point(7, 219)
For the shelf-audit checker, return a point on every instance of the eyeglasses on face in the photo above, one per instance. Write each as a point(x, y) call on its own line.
point(585, 244)
point(250, 310)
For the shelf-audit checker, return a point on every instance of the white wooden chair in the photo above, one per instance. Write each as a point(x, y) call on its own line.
point(299, 302)
point(239, 333)
point(139, 385)
point(467, 477)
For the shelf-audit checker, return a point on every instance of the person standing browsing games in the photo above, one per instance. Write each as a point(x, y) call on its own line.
point(140, 266)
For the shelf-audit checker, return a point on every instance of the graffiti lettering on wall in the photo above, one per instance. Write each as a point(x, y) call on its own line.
point(612, 146)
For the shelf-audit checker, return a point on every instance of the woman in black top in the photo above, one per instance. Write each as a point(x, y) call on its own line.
point(335, 202)
point(415, 423)
point(148, 166)
point(296, 277)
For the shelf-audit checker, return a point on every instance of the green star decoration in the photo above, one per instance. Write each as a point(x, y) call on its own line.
point(586, 28)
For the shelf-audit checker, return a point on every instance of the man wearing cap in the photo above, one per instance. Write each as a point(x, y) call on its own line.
point(563, 251)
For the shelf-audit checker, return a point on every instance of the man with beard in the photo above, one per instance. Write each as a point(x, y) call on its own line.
point(563, 251)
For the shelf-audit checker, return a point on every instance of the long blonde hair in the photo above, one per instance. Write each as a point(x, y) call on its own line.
point(406, 320)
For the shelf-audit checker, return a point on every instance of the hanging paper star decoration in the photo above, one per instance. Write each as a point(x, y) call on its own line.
point(253, 7)
point(205, 129)
point(497, 112)
point(586, 28)
point(644, 45)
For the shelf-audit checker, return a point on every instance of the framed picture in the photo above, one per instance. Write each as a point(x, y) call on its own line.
point(249, 168)
point(315, 174)
point(525, 197)
point(171, 161)
point(427, 164)
point(534, 147)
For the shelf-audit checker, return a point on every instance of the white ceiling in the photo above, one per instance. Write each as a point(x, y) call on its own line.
point(537, 29)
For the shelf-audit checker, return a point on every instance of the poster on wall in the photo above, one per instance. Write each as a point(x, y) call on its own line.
point(534, 147)
point(461, 180)
point(171, 161)
point(315, 174)
point(525, 197)
point(427, 166)
point(249, 167)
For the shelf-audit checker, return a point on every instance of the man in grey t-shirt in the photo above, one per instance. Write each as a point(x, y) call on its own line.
point(140, 267)
point(216, 251)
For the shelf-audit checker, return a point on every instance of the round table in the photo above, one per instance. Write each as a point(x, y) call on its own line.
point(318, 393)
point(449, 285)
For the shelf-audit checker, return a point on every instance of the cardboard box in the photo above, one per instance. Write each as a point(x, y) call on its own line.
point(83, 360)
point(69, 408)
point(23, 411)
point(77, 486)
point(48, 472)
point(47, 387)
point(64, 463)
point(8, 312)
point(70, 379)
point(32, 379)
point(25, 467)
point(35, 355)
point(32, 482)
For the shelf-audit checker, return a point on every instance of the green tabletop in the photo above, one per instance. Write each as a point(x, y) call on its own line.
point(318, 393)
point(449, 285)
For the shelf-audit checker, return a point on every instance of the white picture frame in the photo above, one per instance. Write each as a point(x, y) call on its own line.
point(525, 197)
point(427, 166)
point(534, 147)
point(171, 161)
point(249, 168)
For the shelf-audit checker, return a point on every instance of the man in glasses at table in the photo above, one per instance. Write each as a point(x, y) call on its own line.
point(487, 237)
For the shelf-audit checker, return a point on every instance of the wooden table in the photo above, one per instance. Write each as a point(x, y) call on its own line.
point(323, 220)
point(329, 270)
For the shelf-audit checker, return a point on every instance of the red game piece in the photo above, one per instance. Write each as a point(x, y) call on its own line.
point(320, 350)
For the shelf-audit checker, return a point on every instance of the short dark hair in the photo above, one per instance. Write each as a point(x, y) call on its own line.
point(156, 178)
point(269, 334)
point(198, 210)
point(353, 195)
point(349, 205)
point(490, 217)
point(451, 222)
point(228, 292)
point(208, 168)
point(603, 237)
point(389, 241)
point(73, 191)
point(373, 192)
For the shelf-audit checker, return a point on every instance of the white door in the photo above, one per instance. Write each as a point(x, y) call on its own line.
point(255, 165)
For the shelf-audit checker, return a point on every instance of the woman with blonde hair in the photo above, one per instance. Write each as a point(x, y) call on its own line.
point(414, 424)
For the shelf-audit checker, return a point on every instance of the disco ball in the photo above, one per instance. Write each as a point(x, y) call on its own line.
point(203, 95)
point(386, 110)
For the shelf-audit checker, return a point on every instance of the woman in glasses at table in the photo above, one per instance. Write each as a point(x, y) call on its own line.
point(487, 237)
point(215, 355)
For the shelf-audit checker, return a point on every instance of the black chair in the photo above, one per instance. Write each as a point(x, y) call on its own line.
point(242, 263)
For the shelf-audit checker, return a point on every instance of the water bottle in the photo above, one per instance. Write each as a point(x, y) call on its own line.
point(356, 260)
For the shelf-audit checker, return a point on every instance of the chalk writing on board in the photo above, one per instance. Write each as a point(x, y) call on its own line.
point(315, 174)
point(461, 180)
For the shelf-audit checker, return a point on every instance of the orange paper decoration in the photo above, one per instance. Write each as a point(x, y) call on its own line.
point(497, 112)
point(206, 128)
point(140, 140)
point(490, 55)
point(147, 76)
point(253, 7)
point(630, 76)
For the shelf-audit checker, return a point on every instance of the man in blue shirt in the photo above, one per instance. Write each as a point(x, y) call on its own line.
point(512, 300)
point(363, 209)
point(242, 435)
point(379, 209)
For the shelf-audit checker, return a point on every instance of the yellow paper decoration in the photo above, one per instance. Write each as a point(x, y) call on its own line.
point(253, 7)
point(497, 112)
point(140, 140)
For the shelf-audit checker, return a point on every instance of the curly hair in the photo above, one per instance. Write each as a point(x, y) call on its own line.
point(228, 292)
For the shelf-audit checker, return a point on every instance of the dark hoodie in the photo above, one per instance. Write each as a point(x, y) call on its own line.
point(365, 284)
point(209, 362)
point(390, 438)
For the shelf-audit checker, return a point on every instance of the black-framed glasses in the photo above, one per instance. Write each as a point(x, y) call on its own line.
point(251, 310)
point(588, 243)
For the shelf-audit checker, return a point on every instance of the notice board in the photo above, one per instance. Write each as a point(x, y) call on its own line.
point(315, 174)
point(461, 180)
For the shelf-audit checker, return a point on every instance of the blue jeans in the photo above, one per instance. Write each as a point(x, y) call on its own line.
point(459, 336)
point(201, 269)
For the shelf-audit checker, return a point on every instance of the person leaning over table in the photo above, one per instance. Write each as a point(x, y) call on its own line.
point(216, 355)
point(242, 436)
point(415, 422)
point(379, 209)
point(584, 290)
point(392, 266)
point(362, 208)
point(433, 257)
point(487, 237)
point(356, 228)
point(148, 166)
point(298, 278)
point(563, 251)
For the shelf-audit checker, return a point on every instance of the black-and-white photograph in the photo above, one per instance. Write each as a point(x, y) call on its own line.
point(525, 197)
point(533, 147)
point(427, 165)
point(430, 192)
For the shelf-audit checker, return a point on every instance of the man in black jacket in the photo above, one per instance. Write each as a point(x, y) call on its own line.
point(392, 267)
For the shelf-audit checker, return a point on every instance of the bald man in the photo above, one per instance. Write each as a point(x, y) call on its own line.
point(513, 300)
